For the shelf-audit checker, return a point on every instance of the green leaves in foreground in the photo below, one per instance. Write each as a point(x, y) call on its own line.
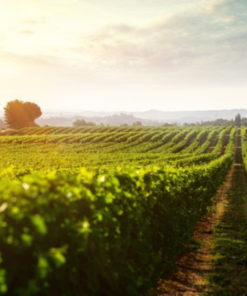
point(117, 233)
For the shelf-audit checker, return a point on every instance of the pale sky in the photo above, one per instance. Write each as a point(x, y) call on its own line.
point(133, 55)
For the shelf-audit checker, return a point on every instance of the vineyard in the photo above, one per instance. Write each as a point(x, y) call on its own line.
point(104, 210)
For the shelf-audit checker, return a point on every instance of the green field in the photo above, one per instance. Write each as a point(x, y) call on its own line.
point(103, 210)
point(107, 147)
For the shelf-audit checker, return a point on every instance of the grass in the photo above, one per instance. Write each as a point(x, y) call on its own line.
point(229, 276)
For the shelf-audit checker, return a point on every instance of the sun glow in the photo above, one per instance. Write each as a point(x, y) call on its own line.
point(125, 55)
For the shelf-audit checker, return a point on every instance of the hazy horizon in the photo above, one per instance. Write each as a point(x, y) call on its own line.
point(132, 56)
point(74, 111)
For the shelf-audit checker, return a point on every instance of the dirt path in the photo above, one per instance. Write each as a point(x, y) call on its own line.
point(219, 265)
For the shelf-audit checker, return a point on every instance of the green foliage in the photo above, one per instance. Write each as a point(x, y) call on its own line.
point(115, 229)
point(244, 146)
point(84, 235)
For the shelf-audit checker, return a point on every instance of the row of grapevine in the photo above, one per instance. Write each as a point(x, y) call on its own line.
point(31, 151)
point(117, 233)
point(89, 129)
point(114, 228)
point(244, 146)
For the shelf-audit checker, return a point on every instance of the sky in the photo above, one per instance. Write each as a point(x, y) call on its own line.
point(131, 55)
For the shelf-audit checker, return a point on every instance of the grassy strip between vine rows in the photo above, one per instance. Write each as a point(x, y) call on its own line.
point(116, 234)
point(230, 248)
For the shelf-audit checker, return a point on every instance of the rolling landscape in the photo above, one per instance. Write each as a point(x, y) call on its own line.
point(123, 148)
point(124, 201)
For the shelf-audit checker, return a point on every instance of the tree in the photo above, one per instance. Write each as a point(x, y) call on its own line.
point(137, 123)
point(33, 111)
point(238, 120)
point(169, 124)
point(82, 122)
point(19, 114)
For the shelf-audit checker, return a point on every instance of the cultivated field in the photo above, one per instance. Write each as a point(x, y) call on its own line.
point(103, 210)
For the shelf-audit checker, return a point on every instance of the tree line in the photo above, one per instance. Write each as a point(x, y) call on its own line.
point(19, 114)
point(238, 121)
point(83, 122)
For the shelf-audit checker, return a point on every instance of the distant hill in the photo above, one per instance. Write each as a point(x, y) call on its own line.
point(190, 116)
point(151, 117)
point(112, 120)
point(156, 117)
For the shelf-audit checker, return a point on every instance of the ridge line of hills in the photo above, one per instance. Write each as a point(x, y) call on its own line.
point(150, 117)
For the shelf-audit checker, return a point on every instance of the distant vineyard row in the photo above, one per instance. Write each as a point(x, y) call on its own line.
point(89, 129)
point(179, 147)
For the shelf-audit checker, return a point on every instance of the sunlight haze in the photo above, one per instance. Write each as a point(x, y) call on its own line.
point(133, 55)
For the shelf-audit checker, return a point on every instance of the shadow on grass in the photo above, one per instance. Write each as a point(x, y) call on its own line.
point(229, 276)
